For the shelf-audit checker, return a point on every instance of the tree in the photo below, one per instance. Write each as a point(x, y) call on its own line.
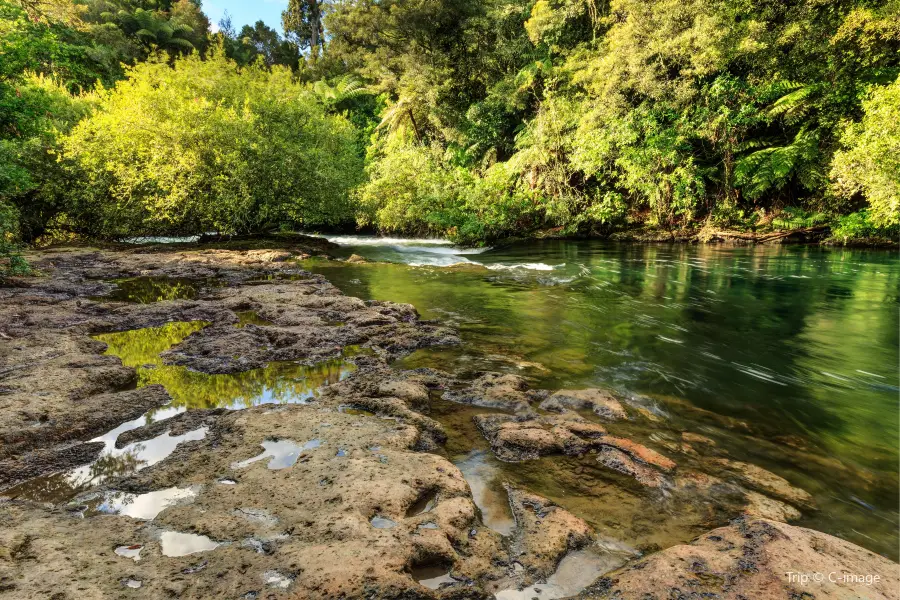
point(870, 161)
point(207, 145)
point(265, 42)
point(302, 23)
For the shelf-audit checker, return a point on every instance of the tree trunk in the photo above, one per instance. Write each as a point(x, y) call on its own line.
point(412, 120)
point(315, 24)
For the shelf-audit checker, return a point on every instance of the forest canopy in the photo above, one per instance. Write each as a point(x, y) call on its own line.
point(473, 119)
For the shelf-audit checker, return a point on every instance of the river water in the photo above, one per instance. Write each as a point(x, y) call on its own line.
point(786, 356)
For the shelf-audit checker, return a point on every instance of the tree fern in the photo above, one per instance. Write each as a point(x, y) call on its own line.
point(792, 106)
point(771, 168)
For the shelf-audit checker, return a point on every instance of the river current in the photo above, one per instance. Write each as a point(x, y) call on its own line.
point(796, 345)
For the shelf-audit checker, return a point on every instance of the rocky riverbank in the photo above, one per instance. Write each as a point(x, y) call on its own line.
point(222, 423)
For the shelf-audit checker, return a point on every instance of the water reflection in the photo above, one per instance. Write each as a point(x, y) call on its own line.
point(175, 543)
point(797, 346)
point(112, 463)
point(279, 382)
point(146, 290)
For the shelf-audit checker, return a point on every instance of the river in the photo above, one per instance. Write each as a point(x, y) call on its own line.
point(786, 356)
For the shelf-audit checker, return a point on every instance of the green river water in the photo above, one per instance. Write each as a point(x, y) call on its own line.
point(786, 356)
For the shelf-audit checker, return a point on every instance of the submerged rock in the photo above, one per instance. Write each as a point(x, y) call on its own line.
point(545, 532)
point(494, 390)
point(523, 438)
point(601, 402)
point(766, 481)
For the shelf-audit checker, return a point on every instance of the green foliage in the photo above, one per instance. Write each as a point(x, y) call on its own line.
point(408, 190)
point(257, 43)
point(662, 111)
point(856, 225)
point(11, 262)
point(770, 169)
point(869, 164)
point(36, 110)
point(206, 145)
point(475, 119)
point(792, 217)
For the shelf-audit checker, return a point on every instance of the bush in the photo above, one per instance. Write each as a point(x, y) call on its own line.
point(11, 262)
point(38, 110)
point(870, 162)
point(859, 226)
point(205, 145)
point(409, 190)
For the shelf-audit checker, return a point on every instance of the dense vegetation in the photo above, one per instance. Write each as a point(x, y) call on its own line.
point(477, 119)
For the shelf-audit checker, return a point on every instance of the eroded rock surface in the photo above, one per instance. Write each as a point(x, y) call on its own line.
point(350, 515)
point(600, 402)
point(57, 387)
point(754, 558)
point(339, 497)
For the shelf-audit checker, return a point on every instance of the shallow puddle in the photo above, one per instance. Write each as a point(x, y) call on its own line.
point(113, 462)
point(382, 523)
point(423, 505)
point(146, 290)
point(133, 552)
point(277, 580)
point(350, 410)
point(432, 577)
point(250, 317)
point(481, 472)
point(282, 453)
point(576, 571)
point(279, 277)
point(279, 382)
point(142, 506)
point(182, 544)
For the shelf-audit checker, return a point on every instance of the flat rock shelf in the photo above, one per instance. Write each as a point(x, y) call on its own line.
point(206, 423)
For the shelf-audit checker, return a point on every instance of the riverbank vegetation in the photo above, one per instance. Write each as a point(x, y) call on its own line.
point(473, 119)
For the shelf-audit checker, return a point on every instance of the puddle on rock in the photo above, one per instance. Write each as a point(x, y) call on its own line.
point(250, 317)
point(182, 544)
point(354, 350)
point(146, 290)
point(485, 480)
point(133, 552)
point(113, 462)
point(132, 583)
point(425, 503)
point(432, 577)
point(144, 507)
point(270, 277)
point(575, 572)
point(277, 580)
point(470, 452)
point(350, 410)
point(279, 382)
point(382, 523)
point(282, 453)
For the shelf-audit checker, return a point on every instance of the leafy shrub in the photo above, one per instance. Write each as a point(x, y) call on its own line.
point(205, 145)
point(409, 190)
point(870, 162)
point(11, 262)
point(861, 225)
point(792, 217)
